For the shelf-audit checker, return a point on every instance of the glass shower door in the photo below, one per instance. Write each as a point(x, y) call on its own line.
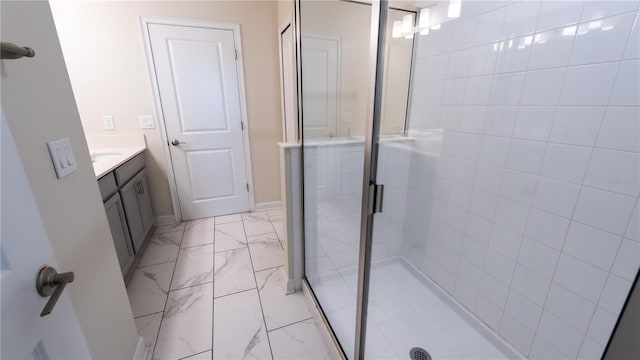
point(334, 41)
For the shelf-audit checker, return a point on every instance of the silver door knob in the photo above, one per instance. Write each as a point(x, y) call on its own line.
point(176, 142)
point(50, 283)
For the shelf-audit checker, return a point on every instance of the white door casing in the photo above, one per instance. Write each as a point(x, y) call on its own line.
point(321, 85)
point(25, 247)
point(198, 86)
point(288, 82)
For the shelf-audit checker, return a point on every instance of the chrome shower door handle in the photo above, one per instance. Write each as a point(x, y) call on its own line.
point(51, 283)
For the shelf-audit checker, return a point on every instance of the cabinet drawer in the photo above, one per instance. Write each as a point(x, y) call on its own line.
point(107, 185)
point(127, 170)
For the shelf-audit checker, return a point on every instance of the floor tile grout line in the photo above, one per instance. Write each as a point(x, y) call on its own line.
point(202, 352)
point(160, 263)
point(235, 293)
point(293, 323)
point(153, 313)
point(166, 300)
point(230, 222)
point(264, 320)
point(224, 251)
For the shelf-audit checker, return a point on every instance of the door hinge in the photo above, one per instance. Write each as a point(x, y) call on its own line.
point(247, 187)
point(235, 53)
point(242, 125)
point(376, 195)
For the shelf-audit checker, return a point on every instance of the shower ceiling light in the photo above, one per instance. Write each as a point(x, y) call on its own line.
point(397, 29)
point(424, 21)
point(595, 25)
point(455, 8)
point(407, 24)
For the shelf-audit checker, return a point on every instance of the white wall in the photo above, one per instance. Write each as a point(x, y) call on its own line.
point(528, 118)
point(104, 52)
point(39, 106)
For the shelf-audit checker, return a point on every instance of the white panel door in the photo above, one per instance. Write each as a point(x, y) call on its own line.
point(320, 86)
point(24, 249)
point(198, 85)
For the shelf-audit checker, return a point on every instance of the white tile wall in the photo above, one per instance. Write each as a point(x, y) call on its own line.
point(527, 199)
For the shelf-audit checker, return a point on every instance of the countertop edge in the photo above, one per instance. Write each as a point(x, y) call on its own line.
point(129, 153)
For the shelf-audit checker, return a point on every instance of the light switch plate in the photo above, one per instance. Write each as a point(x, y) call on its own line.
point(146, 122)
point(62, 156)
point(107, 122)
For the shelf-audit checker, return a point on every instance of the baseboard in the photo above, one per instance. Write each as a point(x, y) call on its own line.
point(266, 205)
point(293, 286)
point(165, 220)
point(142, 351)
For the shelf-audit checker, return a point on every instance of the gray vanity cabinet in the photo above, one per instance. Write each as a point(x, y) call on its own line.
point(128, 206)
point(119, 231)
point(137, 206)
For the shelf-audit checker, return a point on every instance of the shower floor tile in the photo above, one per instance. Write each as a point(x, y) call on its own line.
point(405, 311)
point(213, 304)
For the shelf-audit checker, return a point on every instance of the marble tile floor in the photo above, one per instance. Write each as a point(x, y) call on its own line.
point(214, 289)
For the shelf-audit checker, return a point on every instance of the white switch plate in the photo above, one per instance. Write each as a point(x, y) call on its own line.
point(62, 156)
point(146, 122)
point(107, 122)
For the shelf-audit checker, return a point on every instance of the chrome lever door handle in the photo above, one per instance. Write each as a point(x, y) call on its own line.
point(176, 142)
point(51, 283)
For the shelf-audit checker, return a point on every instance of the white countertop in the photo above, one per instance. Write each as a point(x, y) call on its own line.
point(114, 158)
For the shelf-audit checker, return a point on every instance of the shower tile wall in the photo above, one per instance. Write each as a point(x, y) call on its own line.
point(523, 179)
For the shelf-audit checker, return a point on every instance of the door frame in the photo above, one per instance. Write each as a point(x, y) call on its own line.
point(159, 114)
point(338, 40)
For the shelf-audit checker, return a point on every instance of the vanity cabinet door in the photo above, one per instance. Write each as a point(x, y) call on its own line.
point(118, 226)
point(144, 202)
point(137, 206)
point(129, 193)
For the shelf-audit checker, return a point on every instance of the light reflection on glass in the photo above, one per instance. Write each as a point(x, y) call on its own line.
point(569, 30)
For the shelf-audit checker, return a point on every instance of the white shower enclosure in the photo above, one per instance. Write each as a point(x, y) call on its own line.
point(507, 137)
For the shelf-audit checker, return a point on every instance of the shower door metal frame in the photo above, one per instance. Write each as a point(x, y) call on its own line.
point(379, 12)
point(377, 44)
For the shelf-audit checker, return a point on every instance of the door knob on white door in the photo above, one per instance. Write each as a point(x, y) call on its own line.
point(50, 283)
point(176, 142)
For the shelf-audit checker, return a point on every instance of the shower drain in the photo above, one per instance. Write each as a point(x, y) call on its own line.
point(419, 354)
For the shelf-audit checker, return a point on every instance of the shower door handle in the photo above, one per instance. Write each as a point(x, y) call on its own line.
point(376, 194)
